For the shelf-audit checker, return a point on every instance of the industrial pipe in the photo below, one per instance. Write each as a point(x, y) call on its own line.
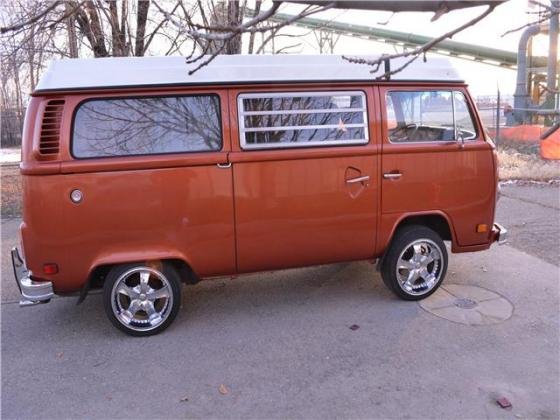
point(551, 70)
point(521, 96)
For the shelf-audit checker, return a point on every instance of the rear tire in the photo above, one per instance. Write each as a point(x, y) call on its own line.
point(141, 299)
point(415, 264)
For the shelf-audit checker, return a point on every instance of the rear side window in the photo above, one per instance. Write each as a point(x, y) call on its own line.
point(428, 116)
point(148, 125)
point(301, 119)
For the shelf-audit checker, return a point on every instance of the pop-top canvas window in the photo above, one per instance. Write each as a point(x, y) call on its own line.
point(300, 119)
point(147, 125)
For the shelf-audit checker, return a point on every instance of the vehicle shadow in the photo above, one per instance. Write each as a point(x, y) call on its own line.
point(289, 293)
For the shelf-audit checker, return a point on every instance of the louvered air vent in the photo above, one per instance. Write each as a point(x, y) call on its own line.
point(50, 128)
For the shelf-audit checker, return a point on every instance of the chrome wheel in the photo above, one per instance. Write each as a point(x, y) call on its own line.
point(141, 298)
point(419, 267)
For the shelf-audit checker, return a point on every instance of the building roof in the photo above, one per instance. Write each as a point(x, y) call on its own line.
point(224, 69)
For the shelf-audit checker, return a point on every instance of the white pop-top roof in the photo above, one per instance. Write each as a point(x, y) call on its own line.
point(148, 71)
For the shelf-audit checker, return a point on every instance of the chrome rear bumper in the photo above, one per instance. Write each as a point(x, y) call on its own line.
point(500, 234)
point(32, 292)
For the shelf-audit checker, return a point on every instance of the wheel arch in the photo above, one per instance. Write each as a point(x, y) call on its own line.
point(100, 269)
point(438, 221)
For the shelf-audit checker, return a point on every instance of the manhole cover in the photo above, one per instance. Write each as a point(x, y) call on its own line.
point(470, 305)
point(465, 303)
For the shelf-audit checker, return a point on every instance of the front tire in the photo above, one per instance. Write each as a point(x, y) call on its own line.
point(142, 300)
point(415, 263)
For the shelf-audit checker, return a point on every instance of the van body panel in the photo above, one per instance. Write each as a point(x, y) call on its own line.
point(464, 189)
point(43, 237)
point(452, 177)
point(184, 213)
point(294, 206)
point(301, 212)
point(177, 205)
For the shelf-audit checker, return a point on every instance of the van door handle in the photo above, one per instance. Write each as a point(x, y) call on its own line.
point(358, 179)
point(224, 165)
point(392, 175)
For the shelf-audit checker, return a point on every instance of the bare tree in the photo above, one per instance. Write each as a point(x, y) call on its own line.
point(543, 15)
point(415, 53)
point(215, 37)
point(34, 31)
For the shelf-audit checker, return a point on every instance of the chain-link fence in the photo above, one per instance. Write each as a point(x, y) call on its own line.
point(519, 147)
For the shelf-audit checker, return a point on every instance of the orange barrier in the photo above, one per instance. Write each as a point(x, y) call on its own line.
point(550, 147)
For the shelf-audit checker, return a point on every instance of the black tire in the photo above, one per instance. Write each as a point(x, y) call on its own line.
point(402, 242)
point(140, 325)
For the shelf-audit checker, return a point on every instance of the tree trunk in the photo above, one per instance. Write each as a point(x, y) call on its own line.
point(141, 19)
point(233, 45)
point(252, 35)
point(94, 31)
point(71, 29)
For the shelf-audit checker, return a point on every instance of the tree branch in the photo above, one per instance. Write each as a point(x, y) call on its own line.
point(32, 20)
point(416, 52)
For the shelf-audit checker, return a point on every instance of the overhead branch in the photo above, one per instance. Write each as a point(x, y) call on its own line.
point(544, 16)
point(224, 33)
point(220, 35)
point(416, 52)
point(31, 20)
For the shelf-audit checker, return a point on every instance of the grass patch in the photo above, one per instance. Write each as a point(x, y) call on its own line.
point(515, 164)
point(10, 185)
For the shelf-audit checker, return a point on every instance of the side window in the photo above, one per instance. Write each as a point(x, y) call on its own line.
point(148, 125)
point(420, 116)
point(300, 119)
point(428, 116)
point(463, 117)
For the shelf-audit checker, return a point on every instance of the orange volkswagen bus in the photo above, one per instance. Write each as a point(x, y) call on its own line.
point(138, 177)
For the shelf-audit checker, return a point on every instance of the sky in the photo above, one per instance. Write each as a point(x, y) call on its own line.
point(482, 79)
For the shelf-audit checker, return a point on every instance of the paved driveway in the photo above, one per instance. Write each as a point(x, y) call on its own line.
point(281, 346)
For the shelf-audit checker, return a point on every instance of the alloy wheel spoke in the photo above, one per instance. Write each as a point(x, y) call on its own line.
point(406, 264)
point(155, 294)
point(412, 277)
point(133, 307)
point(123, 289)
point(432, 256)
point(154, 317)
point(430, 279)
point(423, 273)
point(417, 251)
point(144, 278)
point(149, 308)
